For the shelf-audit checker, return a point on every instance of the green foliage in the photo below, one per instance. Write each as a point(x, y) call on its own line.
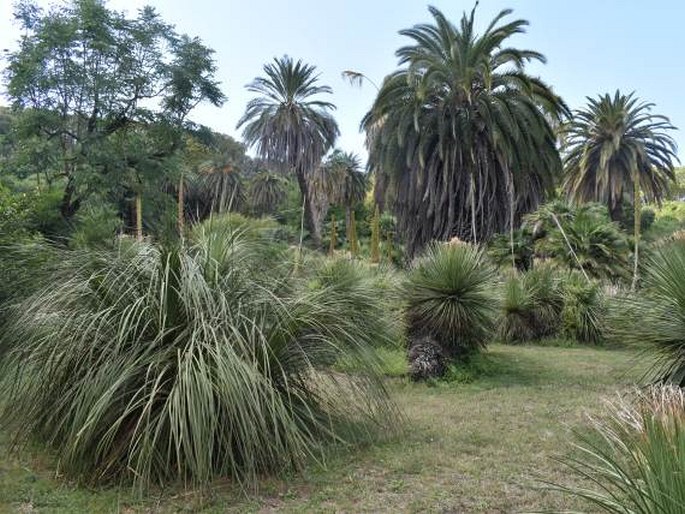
point(159, 364)
point(633, 458)
point(352, 241)
point(599, 246)
point(655, 319)
point(531, 306)
point(499, 249)
point(451, 295)
point(375, 237)
point(333, 237)
point(669, 218)
point(584, 306)
point(96, 225)
point(131, 82)
point(266, 192)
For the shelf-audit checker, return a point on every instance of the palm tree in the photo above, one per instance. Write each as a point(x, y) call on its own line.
point(615, 149)
point(221, 184)
point(349, 183)
point(464, 131)
point(267, 192)
point(288, 124)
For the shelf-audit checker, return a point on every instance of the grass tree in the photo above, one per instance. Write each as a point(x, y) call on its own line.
point(289, 123)
point(616, 150)
point(464, 130)
point(349, 183)
point(188, 363)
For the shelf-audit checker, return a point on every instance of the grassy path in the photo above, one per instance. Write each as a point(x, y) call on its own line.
point(475, 447)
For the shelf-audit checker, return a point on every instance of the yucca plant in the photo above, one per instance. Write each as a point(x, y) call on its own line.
point(531, 305)
point(451, 297)
point(655, 320)
point(189, 363)
point(633, 459)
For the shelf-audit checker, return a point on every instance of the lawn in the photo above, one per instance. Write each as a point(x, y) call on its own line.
point(476, 445)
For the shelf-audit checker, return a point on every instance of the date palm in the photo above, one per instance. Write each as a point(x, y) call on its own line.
point(350, 183)
point(464, 132)
point(288, 123)
point(615, 149)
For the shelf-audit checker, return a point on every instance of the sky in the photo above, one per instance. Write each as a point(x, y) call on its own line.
point(592, 47)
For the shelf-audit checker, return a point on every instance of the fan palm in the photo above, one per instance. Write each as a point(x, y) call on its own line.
point(616, 148)
point(288, 124)
point(464, 131)
point(267, 192)
point(221, 185)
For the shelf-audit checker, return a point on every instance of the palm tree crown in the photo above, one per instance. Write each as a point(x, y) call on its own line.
point(613, 142)
point(464, 131)
point(289, 124)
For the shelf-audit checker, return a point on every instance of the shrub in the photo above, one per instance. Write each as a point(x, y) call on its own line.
point(531, 305)
point(583, 312)
point(655, 320)
point(96, 225)
point(451, 297)
point(633, 459)
point(188, 363)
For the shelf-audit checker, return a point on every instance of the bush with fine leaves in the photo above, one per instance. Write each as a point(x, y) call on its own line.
point(451, 296)
point(531, 305)
point(189, 363)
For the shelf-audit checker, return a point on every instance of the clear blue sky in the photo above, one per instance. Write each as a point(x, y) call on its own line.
point(592, 46)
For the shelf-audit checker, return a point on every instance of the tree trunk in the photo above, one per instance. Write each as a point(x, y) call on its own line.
point(616, 211)
point(310, 214)
point(636, 235)
point(380, 188)
point(69, 205)
point(139, 217)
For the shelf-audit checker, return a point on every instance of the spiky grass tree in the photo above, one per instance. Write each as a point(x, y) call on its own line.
point(464, 131)
point(617, 149)
point(267, 191)
point(194, 362)
point(288, 123)
point(451, 306)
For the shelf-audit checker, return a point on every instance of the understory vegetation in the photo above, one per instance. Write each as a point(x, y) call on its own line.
point(189, 321)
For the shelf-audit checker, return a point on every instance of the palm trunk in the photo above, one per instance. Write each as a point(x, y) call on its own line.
point(636, 235)
point(511, 220)
point(472, 194)
point(139, 217)
point(309, 218)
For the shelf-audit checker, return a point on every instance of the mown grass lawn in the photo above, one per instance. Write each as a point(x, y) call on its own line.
point(480, 446)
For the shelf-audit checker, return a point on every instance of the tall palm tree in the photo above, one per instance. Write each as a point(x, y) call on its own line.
point(349, 183)
point(221, 184)
point(615, 149)
point(289, 124)
point(464, 131)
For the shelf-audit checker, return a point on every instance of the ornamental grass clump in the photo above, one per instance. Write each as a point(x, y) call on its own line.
point(632, 461)
point(212, 359)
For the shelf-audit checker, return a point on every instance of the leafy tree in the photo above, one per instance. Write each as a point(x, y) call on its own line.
point(108, 93)
point(617, 149)
point(289, 124)
point(464, 131)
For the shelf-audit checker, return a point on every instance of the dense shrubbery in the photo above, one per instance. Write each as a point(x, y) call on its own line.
point(186, 363)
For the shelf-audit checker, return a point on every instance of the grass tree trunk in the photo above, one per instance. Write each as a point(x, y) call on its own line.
point(376, 237)
point(139, 216)
point(309, 216)
point(181, 206)
point(636, 227)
